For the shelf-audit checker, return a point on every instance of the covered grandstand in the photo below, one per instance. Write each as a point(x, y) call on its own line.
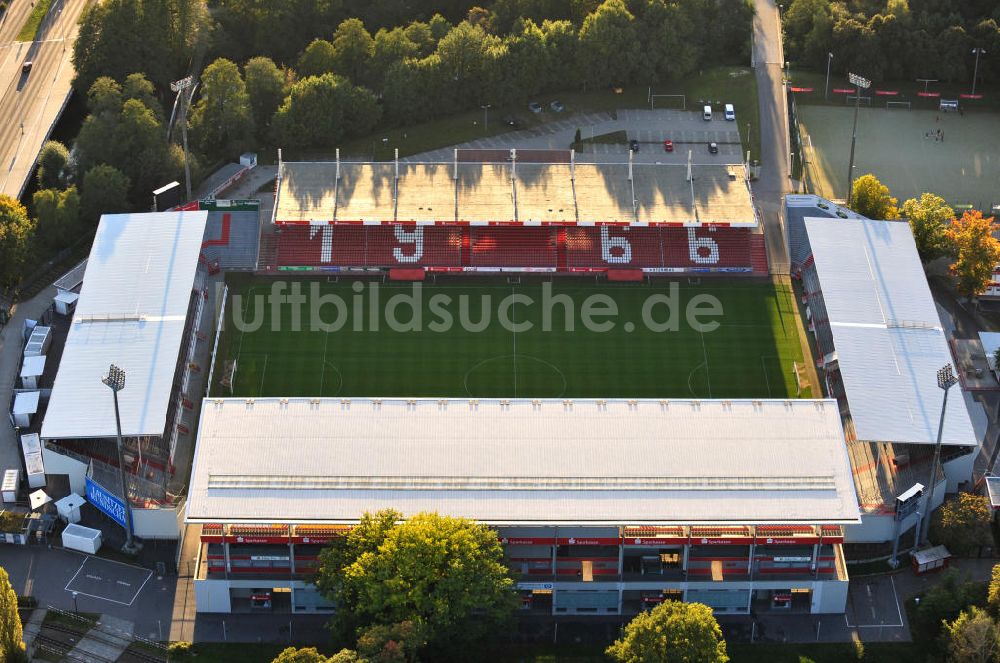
point(881, 343)
point(517, 213)
point(738, 504)
point(139, 308)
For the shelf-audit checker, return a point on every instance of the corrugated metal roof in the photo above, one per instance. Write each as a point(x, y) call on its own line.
point(889, 339)
point(523, 461)
point(131, 312)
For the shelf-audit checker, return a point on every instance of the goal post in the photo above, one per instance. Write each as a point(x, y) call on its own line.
point(853, 99)
point(902, 105)
point(668, 101)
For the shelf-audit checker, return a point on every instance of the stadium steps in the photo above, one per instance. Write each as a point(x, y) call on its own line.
point(561, 261)
point(267, 255)
point(758, 254)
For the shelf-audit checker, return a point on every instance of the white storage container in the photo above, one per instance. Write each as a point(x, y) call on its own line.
point(65, 302)
point(25, 407)
point(9, 489)
point(68, 507)
point(31, 371)
point(38, 342)
point(84, 539)
point(31, 445)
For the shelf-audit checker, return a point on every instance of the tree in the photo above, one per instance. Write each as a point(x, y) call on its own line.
point(993, 591)
point(963, 524)
point(157, 37)
point(942, 603)
point(311, 655)
point(394, 643)
point(609, 45)
point(929, 217)
point(445, 575)
point(976, 252)
point(322, 110)
point(266, 88)
point(671, 632)
point(57, 215)
point(11, 644)
point(105, 191)
point(222, 122)
point(390, 47)
point(16, 229)
point(352, 50)
point(52, 162)
point(972, 637)
point(319, 58)
point(137, 86)
point(871, 198)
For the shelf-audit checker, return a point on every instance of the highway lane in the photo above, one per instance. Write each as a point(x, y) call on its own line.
point(30, 103)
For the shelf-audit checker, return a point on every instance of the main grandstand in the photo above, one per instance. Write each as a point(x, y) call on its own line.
point(517, 210)
point(603, 506)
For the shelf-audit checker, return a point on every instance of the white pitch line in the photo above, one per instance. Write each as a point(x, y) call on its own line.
point(514, 334)
point(74, 576)
point(704, 352)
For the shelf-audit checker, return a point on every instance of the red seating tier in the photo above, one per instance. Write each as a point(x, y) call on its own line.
point(520, 246)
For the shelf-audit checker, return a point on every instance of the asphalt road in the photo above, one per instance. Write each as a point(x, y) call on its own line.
point(773, 181)
point(29, 104)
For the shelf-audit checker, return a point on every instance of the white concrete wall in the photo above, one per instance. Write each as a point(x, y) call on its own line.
point(878, 527)
point(57, 463)
point(155, 523)
point(212, 596)
point(829, 598)
point(958, 470)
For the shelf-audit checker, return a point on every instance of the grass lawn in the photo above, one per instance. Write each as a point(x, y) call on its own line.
point(735, 85)
point(81, 622)
point(749, 354)
point(34, 21)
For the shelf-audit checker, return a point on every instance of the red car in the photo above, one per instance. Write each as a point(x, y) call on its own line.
point(668, 146)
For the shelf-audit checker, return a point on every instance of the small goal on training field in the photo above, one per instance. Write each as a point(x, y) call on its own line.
point(667, 101)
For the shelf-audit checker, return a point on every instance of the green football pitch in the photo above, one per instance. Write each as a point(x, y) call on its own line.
point(495, 346)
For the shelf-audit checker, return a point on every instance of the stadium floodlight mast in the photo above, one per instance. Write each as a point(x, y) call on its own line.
point(184, 88)
point(977, 51)
point(945, 380)
point(829, 59)
point(115, 380)
point(860, 83)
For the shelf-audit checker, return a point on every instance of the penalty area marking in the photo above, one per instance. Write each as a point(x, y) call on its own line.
point(562, 376)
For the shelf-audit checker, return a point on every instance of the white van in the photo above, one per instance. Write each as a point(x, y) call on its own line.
point(707, 114)
point(730, 113)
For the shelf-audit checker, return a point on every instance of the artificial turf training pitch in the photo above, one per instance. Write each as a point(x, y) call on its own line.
point(750, 353)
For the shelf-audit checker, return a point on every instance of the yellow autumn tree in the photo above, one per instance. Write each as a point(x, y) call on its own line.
point(976, 252)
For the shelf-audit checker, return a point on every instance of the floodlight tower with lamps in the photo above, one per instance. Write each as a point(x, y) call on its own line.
point(185, 90)
point(860, 83)
point(977, 51)
point(945, 380)
point(115, 380)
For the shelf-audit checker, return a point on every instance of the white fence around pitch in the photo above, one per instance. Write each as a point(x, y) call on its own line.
point(218, 335)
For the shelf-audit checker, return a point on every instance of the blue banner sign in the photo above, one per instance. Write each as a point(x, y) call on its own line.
point(106, 502)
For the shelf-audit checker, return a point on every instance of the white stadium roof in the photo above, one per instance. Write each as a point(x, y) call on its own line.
point(522, 461)
point(886, 330)
point(131, 312)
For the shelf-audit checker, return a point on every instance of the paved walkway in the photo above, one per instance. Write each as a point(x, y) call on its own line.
point(11, 347)
point(31, 628)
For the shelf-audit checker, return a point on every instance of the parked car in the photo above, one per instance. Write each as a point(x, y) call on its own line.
point(730, 113)
point(557, 106)
point(535, 107)
point(668, 145)
point(512, 121)
point(633, 145)
point(26, 67)
point(713, 148)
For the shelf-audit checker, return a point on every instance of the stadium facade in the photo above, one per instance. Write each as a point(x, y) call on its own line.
point(516, 210)
point(602, 506)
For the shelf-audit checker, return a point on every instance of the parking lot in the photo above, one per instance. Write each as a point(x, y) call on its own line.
point(687, 129)
point(108, 580)
point(874, 603)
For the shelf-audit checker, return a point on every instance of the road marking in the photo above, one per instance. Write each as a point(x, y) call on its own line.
point(91, 576)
